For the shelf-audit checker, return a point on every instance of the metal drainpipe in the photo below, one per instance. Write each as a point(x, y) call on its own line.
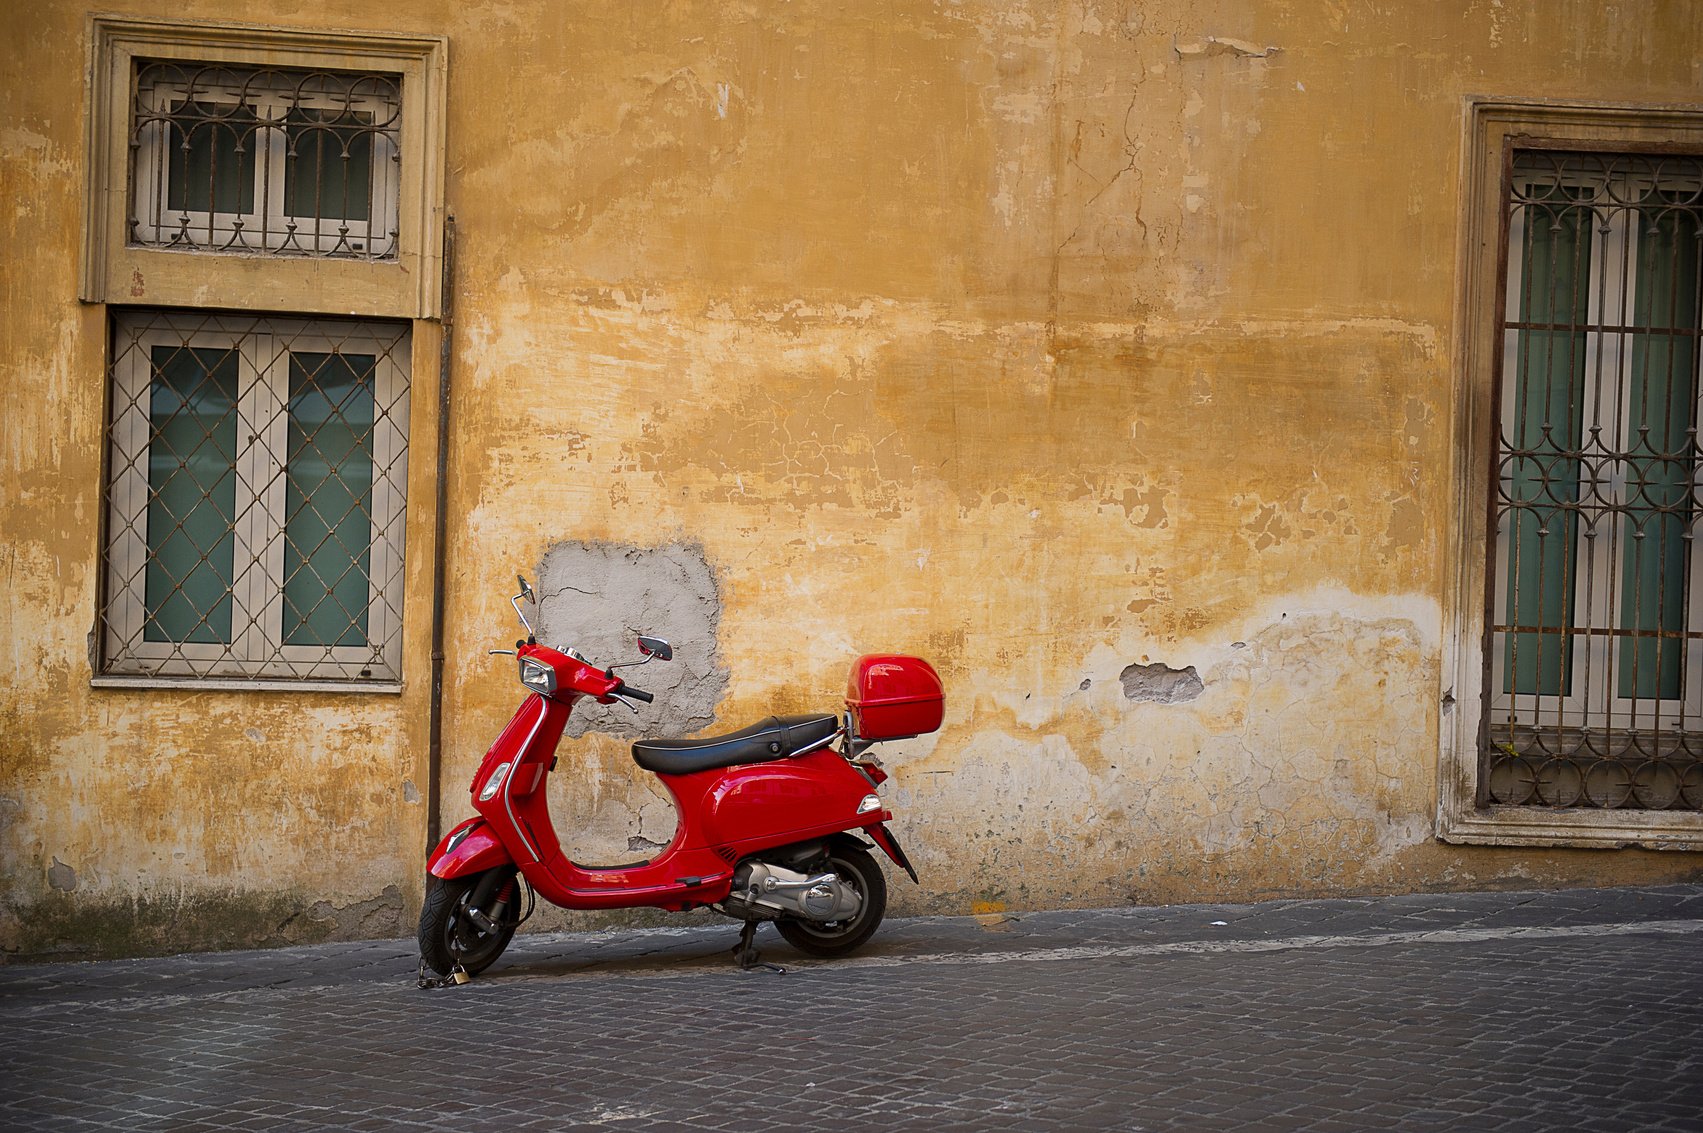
point(434, 742)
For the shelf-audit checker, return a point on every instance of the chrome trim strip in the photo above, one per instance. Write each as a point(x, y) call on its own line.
point(817, 746)
point(508, 804)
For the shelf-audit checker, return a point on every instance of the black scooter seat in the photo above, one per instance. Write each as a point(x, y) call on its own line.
point(778, 737)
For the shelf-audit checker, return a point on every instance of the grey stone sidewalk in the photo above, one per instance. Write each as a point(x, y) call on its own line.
point(1576, 1009)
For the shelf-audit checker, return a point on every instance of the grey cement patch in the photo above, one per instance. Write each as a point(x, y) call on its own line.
point(598, 597)
point(375, 917)
point(1158, 683)
point(61, 876)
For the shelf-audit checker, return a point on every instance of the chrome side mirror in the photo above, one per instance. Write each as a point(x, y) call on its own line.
point(653, 648)
point(525, 592)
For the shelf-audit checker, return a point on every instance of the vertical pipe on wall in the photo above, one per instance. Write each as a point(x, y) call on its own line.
point(440, 505)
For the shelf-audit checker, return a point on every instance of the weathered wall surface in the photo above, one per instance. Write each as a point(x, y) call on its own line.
point(1043, 340)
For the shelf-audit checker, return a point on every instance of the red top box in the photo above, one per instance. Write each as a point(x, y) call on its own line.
point(892, 696)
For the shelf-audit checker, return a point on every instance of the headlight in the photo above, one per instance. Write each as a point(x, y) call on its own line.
point(537, 676)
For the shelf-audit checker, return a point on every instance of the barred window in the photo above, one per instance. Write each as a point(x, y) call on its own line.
point(265, 160)
point(1595, 628)
point(256, 497)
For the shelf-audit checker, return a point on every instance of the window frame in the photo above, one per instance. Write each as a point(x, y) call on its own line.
point(113, 270)
point(1494, 130)
point(256, 656)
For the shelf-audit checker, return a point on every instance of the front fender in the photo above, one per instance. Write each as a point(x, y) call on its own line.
point(472, 847)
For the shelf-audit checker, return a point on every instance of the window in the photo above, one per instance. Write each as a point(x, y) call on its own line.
point(263, 226)
point(1597, 625)
point(217, 148)
point(256, 497)
point(1573, 712)
point(288, 162)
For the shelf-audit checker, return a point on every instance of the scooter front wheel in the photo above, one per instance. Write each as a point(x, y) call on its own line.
point(837, 938)
point(448, 936)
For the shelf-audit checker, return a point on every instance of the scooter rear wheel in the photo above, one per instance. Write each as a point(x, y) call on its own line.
point(448, 935)
point(837, 938)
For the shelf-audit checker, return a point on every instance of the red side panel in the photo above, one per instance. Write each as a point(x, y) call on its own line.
point(471, 847)
point(770, 804)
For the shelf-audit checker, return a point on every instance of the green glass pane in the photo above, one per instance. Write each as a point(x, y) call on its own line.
point(1546, 426)
point(191, 494)
point(1659, 474)
point(212, 158)
point(328, 529)
point(328, 168)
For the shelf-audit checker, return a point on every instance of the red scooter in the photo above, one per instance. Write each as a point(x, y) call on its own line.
point(765, 815)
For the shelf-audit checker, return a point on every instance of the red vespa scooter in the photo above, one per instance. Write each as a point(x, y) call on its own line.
point(764, 827)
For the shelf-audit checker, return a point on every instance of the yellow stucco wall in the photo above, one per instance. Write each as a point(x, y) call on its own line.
point(1038, 339)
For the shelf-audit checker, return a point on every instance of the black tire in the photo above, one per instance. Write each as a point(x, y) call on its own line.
point(838, 938)
point(446, 933)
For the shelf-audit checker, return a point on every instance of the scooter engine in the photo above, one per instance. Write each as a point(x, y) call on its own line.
point(763, 891)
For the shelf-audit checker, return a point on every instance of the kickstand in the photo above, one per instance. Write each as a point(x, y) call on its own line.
point(746, 952)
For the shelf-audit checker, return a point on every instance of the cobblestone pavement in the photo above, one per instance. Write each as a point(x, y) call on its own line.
point(1577, 1009)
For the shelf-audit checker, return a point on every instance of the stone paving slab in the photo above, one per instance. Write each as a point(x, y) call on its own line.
point(1574, 1009)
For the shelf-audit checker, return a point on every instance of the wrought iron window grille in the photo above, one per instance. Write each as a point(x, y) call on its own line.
point(265, 160)
point(1594, 633)
point(256, 498)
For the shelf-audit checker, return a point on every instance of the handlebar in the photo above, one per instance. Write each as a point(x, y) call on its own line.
point(631, 693)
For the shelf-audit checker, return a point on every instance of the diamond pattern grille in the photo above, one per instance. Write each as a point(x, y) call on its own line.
point(1595, 641)
point(274, 161)
point(257, 494)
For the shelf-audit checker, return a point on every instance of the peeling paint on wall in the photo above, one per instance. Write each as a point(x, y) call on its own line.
point(1209, 46)
point(1158, 683)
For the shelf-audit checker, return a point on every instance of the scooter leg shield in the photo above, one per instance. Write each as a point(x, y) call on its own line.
point(470, 848)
